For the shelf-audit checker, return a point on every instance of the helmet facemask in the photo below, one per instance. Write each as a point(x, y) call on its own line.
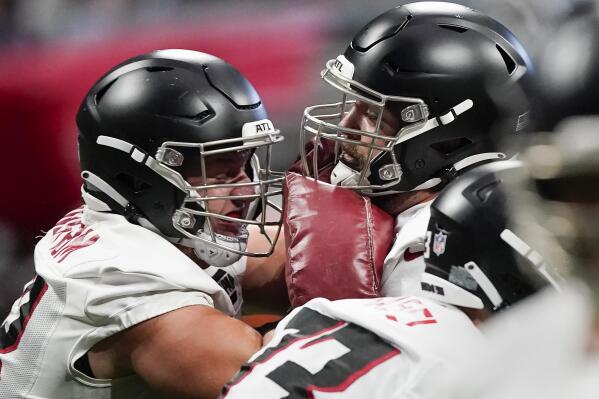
point(219, 239)
point(381, 171)
point(321, 124)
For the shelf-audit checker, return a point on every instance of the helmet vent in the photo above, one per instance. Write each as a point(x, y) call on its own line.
point(509, 62)
point(449, 147)
point(485, 192)
point(393, 69)
point(158, 69)
point(203, 116)
point(455, 28)
point(251, 106)
point(375, 32)
point(102, 91)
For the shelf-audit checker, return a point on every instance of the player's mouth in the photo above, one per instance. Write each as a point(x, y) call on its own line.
point(229, 227)
point(234, 214)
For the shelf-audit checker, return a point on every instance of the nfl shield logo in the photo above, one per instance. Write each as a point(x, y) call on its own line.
point(439, 243)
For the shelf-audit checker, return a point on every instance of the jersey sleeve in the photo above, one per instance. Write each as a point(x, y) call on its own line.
point(136, 298)
point(109, 275)
point(118, 301)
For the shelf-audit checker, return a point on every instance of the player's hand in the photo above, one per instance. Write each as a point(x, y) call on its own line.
point(268, 337)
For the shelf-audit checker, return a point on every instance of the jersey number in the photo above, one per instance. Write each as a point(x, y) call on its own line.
point(325, 355)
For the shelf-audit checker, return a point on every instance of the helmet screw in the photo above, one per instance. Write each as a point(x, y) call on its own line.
point(183, 219)
point(420, 163)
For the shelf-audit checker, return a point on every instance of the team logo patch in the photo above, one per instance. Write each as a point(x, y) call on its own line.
point(439, 242)
point(70, 235)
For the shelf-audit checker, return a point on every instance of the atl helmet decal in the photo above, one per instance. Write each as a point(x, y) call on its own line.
point(262, 126)
point(439, 243)
point(344, 67)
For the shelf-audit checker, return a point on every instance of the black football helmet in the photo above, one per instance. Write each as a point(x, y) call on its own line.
point(153, 119)
point(473, 257)
point(442, 70)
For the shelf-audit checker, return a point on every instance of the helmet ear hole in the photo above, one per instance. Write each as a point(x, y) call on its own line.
point(450, 147)
point(136, 185)
point(485, 192)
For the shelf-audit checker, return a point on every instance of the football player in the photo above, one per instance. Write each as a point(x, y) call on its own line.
point(401, 346)
point(137, 290)
point(419, 90)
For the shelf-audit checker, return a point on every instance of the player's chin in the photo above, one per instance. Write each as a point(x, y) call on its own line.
point(353, 161)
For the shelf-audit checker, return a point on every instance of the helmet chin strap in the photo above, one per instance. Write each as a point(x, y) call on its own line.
point(216, 256)
point(343, 175)
point(216, 252)
point(459, 166)
point(204, 247)
point(212, 251)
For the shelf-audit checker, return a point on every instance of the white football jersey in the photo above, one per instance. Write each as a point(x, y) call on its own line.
point(230, 279)
point(97, 274)
point(404, 265)
point(378, 348)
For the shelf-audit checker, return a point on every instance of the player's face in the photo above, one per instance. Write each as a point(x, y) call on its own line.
point(362, 116)
point(222, 169)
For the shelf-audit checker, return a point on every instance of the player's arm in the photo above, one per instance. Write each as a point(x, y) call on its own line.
point(189, 353)
point(264, 280)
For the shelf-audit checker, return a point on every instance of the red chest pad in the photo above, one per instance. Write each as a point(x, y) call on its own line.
point(336, 241)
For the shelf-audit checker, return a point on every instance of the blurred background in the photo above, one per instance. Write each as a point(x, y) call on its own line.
point(52, 51)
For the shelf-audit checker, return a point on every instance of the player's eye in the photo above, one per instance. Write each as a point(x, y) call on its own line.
point(372, 115)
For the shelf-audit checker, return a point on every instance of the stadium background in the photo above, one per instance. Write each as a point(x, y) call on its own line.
point(52, 51)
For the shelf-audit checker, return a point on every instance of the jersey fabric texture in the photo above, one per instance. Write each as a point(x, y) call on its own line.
point(404, 265)
point(357, 348)
point(97, 274)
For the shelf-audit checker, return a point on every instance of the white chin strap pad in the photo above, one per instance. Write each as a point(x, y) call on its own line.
point(343, 175)
point(216, 256)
